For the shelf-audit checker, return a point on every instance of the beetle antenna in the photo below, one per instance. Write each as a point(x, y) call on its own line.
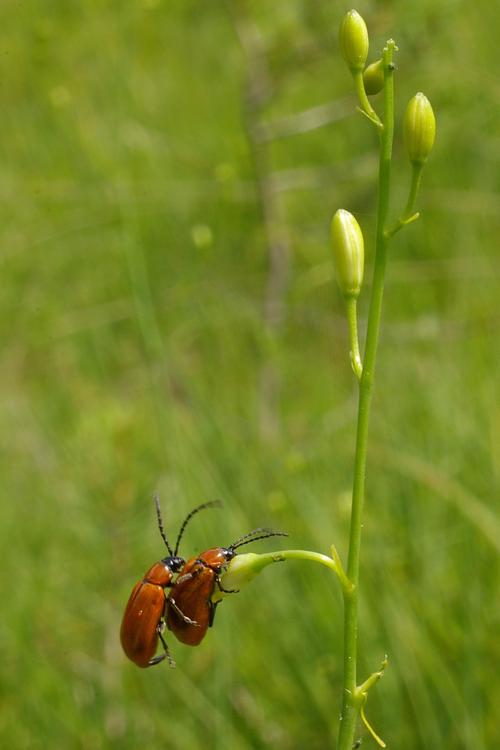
point(212, 504)
point(160, 524)
point(254, 536)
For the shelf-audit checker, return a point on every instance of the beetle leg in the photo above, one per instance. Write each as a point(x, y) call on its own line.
point(213, 607)
point(170, 600)
point(185, 577)
point(217, 578)
point(157, 659)
point(179, 612)
point(225, 591)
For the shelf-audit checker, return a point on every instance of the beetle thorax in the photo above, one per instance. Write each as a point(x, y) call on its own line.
point(217, 557)
point(161, 573)
point(173, 563)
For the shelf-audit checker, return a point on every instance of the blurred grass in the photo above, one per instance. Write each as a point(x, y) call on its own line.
point(132, 274)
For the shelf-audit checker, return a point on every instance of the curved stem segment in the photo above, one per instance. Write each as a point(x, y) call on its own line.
point(408, 214)
point(351, 703)
point(332, 563)
point(352, 318)
point(364, 102)
point(243, 568)
point(303, 554)
point(416, 174)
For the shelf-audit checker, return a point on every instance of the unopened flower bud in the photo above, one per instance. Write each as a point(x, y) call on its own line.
point(241, 570)
point(353, 40)
point(348, 252)
point(419, 128)
point(373, 78)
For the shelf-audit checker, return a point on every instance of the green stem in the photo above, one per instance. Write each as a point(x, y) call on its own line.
point(243, 568)
point(416, 174)
point(351, 701)
point(352, 319)
point(304, 554)
point(364, 102)
point(408, 214)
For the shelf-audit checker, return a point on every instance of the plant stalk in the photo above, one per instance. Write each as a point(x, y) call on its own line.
point(352, 700)
point(352, 317)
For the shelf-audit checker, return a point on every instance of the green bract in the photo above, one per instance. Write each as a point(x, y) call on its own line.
point(348, 252)
point(373, 78)
point(419, 128)
point(353, 40)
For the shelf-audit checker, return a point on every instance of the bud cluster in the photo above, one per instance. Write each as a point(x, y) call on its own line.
point(420, 124)
point(419, 135)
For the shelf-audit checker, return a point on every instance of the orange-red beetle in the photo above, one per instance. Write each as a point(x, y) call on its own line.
point(190, 610)
point(143, 621)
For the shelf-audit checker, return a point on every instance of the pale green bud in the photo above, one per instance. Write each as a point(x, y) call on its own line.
point(353, 40)
point(373, 78)
point(241, 570)
point(348, 252)
point(419, 128)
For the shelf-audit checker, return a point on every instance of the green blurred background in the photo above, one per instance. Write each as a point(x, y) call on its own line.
point(155, 155)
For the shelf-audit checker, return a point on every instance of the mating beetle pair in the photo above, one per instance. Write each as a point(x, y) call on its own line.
point(188, 610)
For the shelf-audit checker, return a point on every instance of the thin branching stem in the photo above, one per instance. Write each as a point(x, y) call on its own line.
point(352, 700)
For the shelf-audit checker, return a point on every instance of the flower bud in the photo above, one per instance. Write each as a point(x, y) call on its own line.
point(373, 78)
point(348, 252)
point(419, 128)
point(353, 40)
point(241, 570)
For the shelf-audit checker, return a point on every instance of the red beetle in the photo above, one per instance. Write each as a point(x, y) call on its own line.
point(143, 621)
point(190, 610)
